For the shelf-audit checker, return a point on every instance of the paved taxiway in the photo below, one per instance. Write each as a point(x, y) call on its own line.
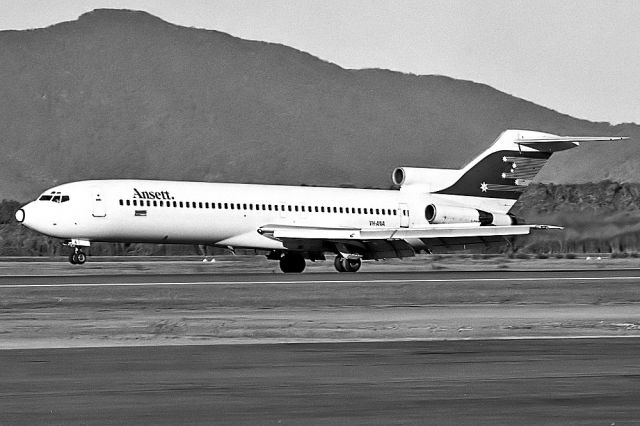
point(146, 348)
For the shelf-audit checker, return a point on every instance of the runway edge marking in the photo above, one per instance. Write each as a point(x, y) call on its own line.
point(280, 282)
point(248, 342)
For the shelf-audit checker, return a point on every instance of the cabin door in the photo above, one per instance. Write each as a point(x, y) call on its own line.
point(99, 208)
point(404, 215)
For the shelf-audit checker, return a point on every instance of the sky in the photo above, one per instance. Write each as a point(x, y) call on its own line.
point(578, 57)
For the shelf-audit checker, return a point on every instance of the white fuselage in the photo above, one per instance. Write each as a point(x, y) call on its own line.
point(222, 214)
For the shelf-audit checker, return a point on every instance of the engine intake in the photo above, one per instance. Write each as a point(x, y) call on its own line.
point(443, 214)
point(427, 180)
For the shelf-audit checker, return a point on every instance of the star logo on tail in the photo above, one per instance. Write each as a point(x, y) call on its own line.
point(484, 187)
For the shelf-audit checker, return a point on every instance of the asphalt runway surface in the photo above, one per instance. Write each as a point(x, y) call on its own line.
point(437, 347)
point(452, 382)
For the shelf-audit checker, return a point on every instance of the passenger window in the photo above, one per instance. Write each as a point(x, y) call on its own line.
point(181, 204)
point(341, 210)
point(128, 202)
point(155, 203)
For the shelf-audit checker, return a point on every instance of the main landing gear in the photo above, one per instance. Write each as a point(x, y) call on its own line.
point(77, 256)
point(344, 264)
point(292, 262)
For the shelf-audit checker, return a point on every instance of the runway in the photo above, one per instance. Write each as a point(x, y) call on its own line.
point(464, 382)
point(438, 347)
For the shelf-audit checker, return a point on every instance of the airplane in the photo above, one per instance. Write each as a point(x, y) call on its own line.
point(434, 209)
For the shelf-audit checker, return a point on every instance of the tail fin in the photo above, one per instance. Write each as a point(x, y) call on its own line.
point(502, 171)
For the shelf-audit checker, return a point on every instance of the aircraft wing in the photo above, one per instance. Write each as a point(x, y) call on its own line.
point(378, 243)
point(560, 143)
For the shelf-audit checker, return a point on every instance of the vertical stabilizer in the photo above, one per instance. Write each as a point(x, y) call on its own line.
point(505, 169)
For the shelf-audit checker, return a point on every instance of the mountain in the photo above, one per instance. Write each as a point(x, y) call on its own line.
point(123, 94)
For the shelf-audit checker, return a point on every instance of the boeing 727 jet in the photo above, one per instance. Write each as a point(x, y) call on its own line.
point(433, 208)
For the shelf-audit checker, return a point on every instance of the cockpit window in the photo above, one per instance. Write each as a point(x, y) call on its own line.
point(54, 197)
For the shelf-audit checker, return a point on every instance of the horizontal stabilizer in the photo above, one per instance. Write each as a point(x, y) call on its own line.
point(561, 143)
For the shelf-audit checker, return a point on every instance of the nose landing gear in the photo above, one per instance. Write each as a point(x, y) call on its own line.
point(77, 257)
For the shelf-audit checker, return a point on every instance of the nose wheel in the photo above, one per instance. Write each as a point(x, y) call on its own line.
point(77, 257)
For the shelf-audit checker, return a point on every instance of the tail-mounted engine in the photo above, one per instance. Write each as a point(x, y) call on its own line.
point(442, 213)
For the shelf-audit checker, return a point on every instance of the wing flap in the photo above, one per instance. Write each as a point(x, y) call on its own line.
point(281, 232)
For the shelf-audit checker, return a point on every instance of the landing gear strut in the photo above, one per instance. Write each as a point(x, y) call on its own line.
point(343, 264)
point(77, 256)
point(292, 263)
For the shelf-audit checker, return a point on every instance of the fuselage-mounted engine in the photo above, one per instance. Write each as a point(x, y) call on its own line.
point(442, 213)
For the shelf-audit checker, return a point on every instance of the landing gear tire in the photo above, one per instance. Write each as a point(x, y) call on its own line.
point(80, 258)
point(292, 263)
point(347, 265)
point(77, 257)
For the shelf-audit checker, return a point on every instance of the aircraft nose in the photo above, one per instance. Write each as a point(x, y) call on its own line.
point(25, 215)
point(20, 215)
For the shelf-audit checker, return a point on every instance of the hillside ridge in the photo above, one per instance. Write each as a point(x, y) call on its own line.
point(124, 94)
